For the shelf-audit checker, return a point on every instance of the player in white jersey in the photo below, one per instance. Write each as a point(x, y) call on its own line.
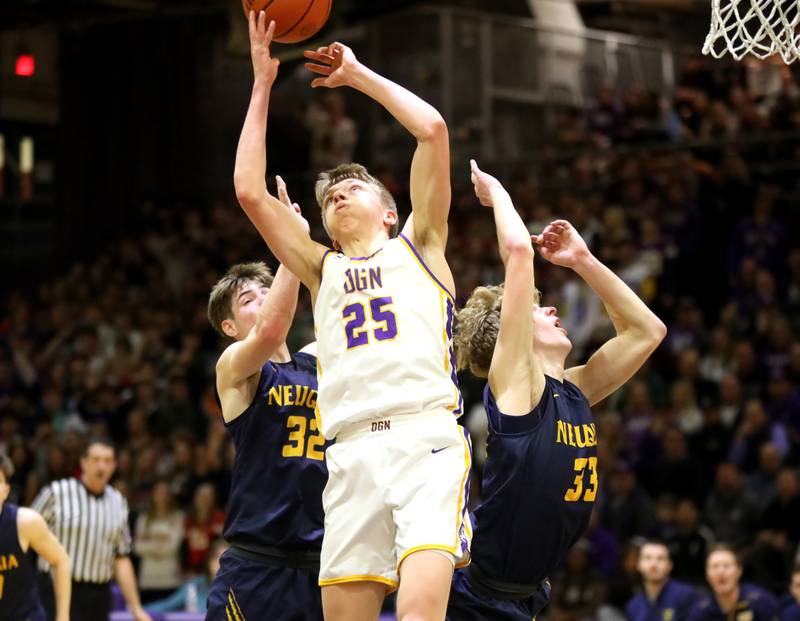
point(395, 503)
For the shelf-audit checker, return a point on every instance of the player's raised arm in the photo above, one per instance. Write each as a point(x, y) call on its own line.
point(638, 329)
point(515, 375)
point(284, 234)
point(430, 168)
point(244, 358)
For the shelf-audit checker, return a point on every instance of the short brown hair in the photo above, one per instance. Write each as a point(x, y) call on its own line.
point(476, 329)
point(219, 301)
point(724, 547)
point(353, 171)
point(6, 466)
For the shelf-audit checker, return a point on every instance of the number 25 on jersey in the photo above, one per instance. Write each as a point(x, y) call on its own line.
point(384, 322)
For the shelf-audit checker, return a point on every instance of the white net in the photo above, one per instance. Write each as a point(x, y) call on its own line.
point(758, 27)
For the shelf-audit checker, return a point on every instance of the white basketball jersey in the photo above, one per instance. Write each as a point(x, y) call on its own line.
point(384, 338)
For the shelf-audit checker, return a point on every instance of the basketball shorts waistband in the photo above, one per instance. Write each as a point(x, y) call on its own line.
point(500, 589)
point(276, 557)
point(378, 426)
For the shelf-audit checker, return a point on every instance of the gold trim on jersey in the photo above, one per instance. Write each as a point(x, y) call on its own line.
point(460, 511)
point(446, 340)
point(232, 611)
point(407, 245)
point(392, 584)
point(462, 501)
point(317, 414)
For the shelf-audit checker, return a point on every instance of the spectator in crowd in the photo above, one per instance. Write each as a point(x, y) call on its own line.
point(763, 483)
point(157, 543)
point(689, 543)
point(333, 134)
point(203, 524)
point(730, 512)
point(755, 430)
point(577, 592)
point(729, 598)
point(662, 597)
point(790, 604)
point(625, 509)
point(193, 594)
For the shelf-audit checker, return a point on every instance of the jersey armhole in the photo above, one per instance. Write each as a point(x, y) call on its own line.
point(262, 379)
point(510, 425)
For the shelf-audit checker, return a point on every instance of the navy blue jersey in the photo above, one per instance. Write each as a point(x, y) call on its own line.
point(539, 485)
point(19, 594)
point(279, 473)
point(248, 590)
point(791, 613)
point(672, 604)
point(755, 604)
point(468, 604)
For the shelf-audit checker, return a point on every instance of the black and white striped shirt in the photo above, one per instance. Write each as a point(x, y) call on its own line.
point(92, 528)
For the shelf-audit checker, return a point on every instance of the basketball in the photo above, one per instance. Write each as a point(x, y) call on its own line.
point(295, 20)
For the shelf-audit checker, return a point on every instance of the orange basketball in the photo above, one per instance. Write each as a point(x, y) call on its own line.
point(295, 20)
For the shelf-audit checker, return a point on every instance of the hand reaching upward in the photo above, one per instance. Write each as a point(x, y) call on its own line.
point(561, 244)
point(336, 62)
point(485, 185)
point(264, 66)
point(283, 196)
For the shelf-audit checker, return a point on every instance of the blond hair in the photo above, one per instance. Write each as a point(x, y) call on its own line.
point(219, 301)
point(331, 177)
point(476, 329)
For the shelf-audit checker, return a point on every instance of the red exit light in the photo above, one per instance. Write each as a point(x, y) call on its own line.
point(26, 65)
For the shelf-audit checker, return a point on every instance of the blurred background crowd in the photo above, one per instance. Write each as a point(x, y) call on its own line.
point(691, 201)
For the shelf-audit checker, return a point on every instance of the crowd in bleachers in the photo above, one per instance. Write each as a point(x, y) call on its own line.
point(684, 199)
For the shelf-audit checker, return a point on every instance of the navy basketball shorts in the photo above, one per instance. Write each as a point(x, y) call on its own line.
point(467, 605)
point(249, 590)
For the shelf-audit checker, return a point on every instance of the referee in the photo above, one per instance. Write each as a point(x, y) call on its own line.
point(90, 519)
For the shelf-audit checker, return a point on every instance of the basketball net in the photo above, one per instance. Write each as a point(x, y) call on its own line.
point(758, 27)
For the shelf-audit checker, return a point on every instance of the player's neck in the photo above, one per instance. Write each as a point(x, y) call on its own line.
point(653, 589)
point(552, 365)
point(282, 354)
point(728, 600)
point(366, 245)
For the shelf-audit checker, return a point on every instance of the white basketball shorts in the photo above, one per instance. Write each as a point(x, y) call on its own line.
point(395, 486)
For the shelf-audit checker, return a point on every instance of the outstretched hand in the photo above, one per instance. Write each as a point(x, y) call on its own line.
point(283, 196)
point(336, 62)
point(484, 184)
point(264, 66)
point(561, 244)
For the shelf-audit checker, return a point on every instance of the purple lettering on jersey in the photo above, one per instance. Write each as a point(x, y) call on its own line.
point(356, 335)
point(362, 278)
point(389, 330)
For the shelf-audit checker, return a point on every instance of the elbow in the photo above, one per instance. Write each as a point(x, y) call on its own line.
point(656, 332)
point(272, 333)
point(519, 248)
point(434, 129)
point(62, 564)
point(246, 192)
